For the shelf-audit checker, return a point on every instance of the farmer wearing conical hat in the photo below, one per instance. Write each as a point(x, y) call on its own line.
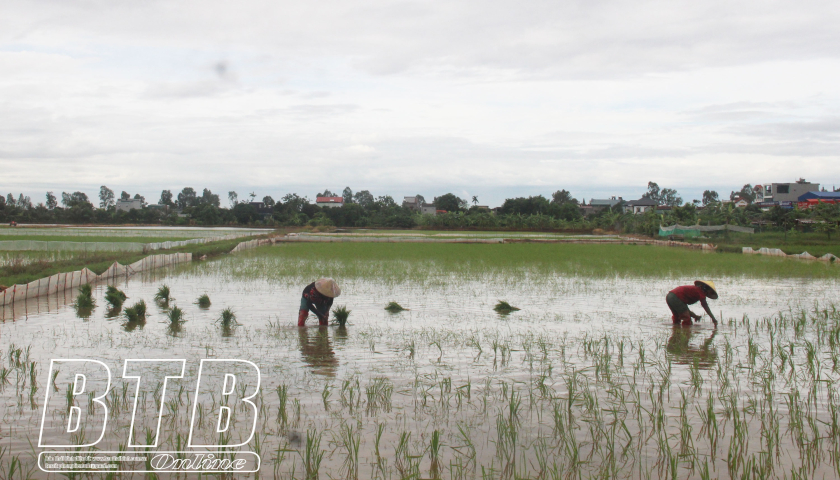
point(680, 298)
point(318, 298)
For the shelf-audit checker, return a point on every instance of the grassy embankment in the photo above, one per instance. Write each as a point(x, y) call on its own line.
point(405, 260)
point(100, 261)
point(816, 244)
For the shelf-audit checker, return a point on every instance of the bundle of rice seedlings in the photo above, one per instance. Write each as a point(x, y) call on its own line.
point(114, 296)
point(136, 312)
point(175, 315)
point(340, 313)
point(504, 307)
point(395, 307)
point(227, 317)
point(162, 295)
point(203, 301)
point(84, 300)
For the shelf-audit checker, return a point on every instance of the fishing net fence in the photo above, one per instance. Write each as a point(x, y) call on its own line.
point(698, 230)
point(775, 252)
point(93, 247)
point(69, 280)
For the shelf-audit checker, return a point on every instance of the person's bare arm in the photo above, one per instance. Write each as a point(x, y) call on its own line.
point(708, 311)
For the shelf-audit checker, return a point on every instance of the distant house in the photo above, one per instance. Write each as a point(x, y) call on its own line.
point(785, 193)
point(639, 206)
point(329, 202)
point(128, 205)
point(599, 204)
point(412, 203)
point(812, 199)
point(740, 202)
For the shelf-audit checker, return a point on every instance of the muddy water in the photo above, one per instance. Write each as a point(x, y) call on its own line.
point(588, 378)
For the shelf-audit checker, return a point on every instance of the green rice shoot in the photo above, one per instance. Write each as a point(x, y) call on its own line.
point(203, 301)
point(85, 300)
point(136, 312)
point(504, 307)
point(175, 314)
point(115, 297)
point(227, 316)
point(340, 313)
point(163, 294)
point(394, 307)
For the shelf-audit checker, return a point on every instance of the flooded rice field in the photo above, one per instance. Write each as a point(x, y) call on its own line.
point(588, 379)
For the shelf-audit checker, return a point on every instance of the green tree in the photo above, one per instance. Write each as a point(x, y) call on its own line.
point(828, 217)
point(448, 202)
point(210, 198)
point(347, 195)
point(125, 196)
point(709, 197)
point(166, 198)
point(363, 198)
point(268, 201)
point(562, 196)
point(233, 198)
point(747, 192)
point(187, 198)
point(475, 200)
point(106, 197)
point(52, 202)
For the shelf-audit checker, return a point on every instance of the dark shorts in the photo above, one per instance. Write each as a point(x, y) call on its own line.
point(677, 306)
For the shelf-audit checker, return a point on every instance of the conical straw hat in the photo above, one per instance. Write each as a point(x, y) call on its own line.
point(713, 294)
point(327, 287)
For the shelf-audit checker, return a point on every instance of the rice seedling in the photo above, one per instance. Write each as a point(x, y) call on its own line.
point(394, 307)
point(227, 317)
point(85, 300)
point(136, 312)
point(504, 307)
point(340, 313)
point(175, 315)
point(115, 297)
point(163, 294)
point(203, 301)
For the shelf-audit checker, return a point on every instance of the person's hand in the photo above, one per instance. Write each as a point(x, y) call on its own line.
point(696, 317)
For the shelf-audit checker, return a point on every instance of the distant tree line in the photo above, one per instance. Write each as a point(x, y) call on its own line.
point(362, 209)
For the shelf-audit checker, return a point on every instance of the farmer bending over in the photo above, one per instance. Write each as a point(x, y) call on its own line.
point(680, 298)
point(318, 297)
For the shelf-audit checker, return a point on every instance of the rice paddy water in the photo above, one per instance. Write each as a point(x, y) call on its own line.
point(589, 379)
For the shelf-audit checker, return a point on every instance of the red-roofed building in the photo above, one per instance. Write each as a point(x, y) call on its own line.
point(329, 202)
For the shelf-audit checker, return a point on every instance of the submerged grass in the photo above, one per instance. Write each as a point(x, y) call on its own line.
point(394, 307)
point(396, 262)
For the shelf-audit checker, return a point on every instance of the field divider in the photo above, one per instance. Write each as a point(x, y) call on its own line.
point(292, 238)
point(61, 282)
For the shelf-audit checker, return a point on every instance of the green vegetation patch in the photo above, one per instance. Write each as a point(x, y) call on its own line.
point(401, 262)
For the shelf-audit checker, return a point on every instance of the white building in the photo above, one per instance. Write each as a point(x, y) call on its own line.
point(329, 202)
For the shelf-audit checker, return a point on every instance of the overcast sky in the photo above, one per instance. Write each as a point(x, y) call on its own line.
point(482, 98)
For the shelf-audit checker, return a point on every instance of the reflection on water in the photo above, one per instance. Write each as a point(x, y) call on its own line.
point(130, 326)
point(317, 351)
point(229, 328)
point(174, 329)
point(686, 352)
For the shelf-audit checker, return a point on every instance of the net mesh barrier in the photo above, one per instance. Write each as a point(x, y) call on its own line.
point(698, 230)
point(69, 280)
point(38, 245)
point(775, 252)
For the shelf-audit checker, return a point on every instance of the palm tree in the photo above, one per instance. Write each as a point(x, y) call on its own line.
point(475, 200)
